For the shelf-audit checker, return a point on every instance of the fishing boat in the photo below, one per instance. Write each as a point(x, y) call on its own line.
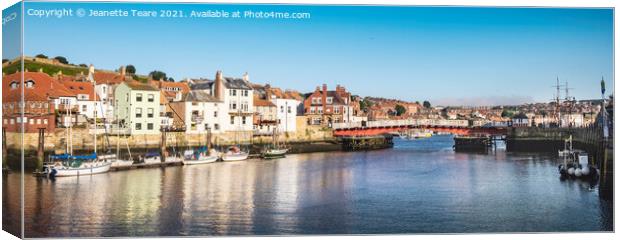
point(575, 162)
point(275, 149)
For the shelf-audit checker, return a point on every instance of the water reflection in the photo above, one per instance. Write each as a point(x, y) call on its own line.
point(419, 186)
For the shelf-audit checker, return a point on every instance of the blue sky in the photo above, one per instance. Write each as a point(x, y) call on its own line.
point(450, 55)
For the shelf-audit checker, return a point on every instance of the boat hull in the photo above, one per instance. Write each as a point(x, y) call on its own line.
point(235, 157)
point(274, 153)
point(121, 163)
point(69, 171)
point(201, 160)
point(152, 160)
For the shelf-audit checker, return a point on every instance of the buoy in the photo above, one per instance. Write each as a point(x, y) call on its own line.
point(578, 172)
point(571, 171)
point(585, 171)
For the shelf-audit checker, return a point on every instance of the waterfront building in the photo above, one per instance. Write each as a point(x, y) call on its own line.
point(237, 96)
point(325, 107)
point(106, 83)
point(137, 106)
point(265, 119)
point(198, 111)
point(520, 120)
point(172, 91)
point(39, 101)
point(86, 102)
point(288, 105)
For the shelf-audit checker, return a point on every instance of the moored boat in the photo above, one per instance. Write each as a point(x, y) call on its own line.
point(271, 153)
point(234, 153)
point(65, 165)
point(201, 156)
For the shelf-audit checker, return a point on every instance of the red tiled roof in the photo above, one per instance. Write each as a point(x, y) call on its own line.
point(164, 84)
point(108, 77)
point(44, 87)
point(80, 88)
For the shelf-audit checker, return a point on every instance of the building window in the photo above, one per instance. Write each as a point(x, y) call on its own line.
point(138, 126)
point(44, 121)
point(138, 97)
point(149, 112)
point(329, 100)
point(151, 98)
point(245, 93)
point(138, 112)
point(233, 92)
point(84, 108)
point(289, 109)
point(242, 120)
point(232, 119)
point(215, 114)
point(127, 97)
point(149, 126)
point(216, 126)
point(206, 126)
point(193, 126)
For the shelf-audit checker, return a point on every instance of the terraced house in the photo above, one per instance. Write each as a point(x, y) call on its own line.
point(138, 107)
point(323, 107)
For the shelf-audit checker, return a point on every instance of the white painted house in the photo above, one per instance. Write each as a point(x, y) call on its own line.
point(199, 111)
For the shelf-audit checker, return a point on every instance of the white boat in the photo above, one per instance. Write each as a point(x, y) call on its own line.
point(235, 154)
point(122, 163)
point(191, 158)
point(151, 158)
point(276, 149)
point(116, 162)
point(174, 159)
point(68, 165)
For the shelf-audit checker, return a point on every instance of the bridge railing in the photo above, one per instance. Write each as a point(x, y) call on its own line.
point(403, 122)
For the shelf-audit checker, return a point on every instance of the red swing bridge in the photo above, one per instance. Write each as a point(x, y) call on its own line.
point(458, 127)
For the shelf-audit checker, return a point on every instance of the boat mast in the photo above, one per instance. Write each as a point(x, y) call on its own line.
point(118, 132)
point(90, 77)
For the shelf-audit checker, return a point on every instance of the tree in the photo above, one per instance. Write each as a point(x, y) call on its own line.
point(507, 113)
point(158, 75)
point(130, 70)
point(62, 59)
point(426, 104)
point(83, 65)
point(170, 79)
point(365, 104)
point(40, 55)
point(400, 110)
point(4, 60)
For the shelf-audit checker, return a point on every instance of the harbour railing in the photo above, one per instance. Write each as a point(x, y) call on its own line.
point(404, 122)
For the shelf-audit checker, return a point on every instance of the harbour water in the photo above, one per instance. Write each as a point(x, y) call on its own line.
point(419, 186)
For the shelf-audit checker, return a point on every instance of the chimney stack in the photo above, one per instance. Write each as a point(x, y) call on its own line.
point(123, 70)
point(246, 77)
point(218, 85)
